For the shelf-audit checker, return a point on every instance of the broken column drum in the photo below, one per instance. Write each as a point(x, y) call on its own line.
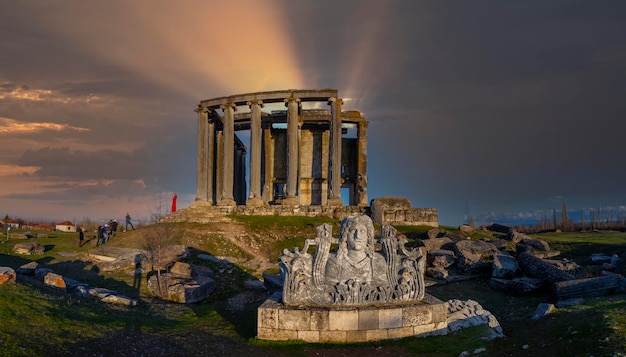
point(299, 155)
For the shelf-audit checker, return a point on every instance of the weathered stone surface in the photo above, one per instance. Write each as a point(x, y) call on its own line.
point(40, 273)
point(435, 233)
point(500, 228)
point(435, 243)
point(181, 269)
point(537, 268)
point(474, 255)
point(28, 268)
point(466, 230)
point(523, 285)
point(564, 265)
point(437, 273)
point(356, 274)
point(7, 275)
point(183, 290)
point(28, 248)
point(598, 286)
point(516, 237)
point(54, 280)
point(441, 258)
point(463, 314)
point(119, 300)
point(504, 266)
point(537, 244)
point(125, 262)
point(543, 309)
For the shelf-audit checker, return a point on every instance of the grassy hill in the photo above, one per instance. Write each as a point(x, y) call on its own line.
point(37, 321)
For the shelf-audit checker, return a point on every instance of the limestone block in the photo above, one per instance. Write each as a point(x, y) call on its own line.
point(416, 315)
point(289, 319)
point(390, 318)
point(54, 280)
point(437, 273)
point(319, 320)
point(368, 319)
point(401, 332)
point(119, 300)
point(268, 318)
point(442, 258)
point(28, 248)
point(538, 244)
point(333, 336)
point(377, 335)
point(475, 255)
point(181, 269)
point(357, 336)
point(433, 244)
point(276, 335)
point(309, 336)
point(504, 266)
point(28, 268)
point(183, 290)
point(100, 293)
point(343, 320)
point(7, 276)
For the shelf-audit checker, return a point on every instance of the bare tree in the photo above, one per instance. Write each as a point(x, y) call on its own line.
point(156, 241)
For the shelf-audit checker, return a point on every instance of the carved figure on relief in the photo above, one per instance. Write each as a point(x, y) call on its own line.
point(356, 273)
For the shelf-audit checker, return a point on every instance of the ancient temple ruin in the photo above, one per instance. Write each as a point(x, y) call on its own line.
point(303, 154)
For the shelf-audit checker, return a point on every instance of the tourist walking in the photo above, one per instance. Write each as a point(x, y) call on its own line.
point(100, 236)
point(128, 222)
point(113, 227)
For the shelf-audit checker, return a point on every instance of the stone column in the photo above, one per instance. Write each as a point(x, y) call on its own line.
point(227, 198)
point(201, 166)
point(334, 179)
point(293, 132)
point(268, 157)
point(254, 198)
point(361, 184)
point(211, 160)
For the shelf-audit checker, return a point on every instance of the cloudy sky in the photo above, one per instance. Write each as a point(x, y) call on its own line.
point(496, 109)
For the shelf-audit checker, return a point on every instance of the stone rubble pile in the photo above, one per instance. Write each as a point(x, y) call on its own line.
point(516, 263)
point(51, 279)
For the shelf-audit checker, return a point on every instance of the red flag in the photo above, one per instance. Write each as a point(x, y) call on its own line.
point(174, 203)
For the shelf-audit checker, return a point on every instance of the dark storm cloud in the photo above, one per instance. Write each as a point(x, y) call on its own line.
point(101, 164)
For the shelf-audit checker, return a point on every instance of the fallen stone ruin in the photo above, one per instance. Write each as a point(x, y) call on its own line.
point(517, 263)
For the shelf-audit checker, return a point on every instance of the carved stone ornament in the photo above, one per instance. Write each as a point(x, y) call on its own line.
point(356, 274)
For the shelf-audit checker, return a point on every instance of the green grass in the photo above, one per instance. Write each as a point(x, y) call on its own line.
point(63, 324)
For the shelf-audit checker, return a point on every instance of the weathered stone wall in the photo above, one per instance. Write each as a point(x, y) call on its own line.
point(279, 323)
point(398, 211)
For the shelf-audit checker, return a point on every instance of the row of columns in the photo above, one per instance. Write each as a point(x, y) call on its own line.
point(226, 147)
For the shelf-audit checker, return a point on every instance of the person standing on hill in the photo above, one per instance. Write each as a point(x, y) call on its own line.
point(81, 237)
point(174, 202)
point(128, 222)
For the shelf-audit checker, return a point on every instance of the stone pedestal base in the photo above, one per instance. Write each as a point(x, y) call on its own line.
point(255, 202)
point(291, 201)
point(334, 202)
point(226, 203)
point(279, 323)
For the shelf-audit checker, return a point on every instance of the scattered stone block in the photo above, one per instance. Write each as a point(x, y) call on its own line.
point(463, 314)
point(29, 248)
point(475, 255)
point(28, 268)
point(537, 244)
point(466, 230)
point(504, 266)
point(181, 269)
point(119, 300)
point(7, 276)
point(54, 280)
point(183, 290)
point(435, 243)
point(441, 258)
point(543, 309)
point(437, 273)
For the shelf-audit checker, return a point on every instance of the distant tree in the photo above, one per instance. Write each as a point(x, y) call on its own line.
point(6, 217)
point(564, 219)
point(554, 218)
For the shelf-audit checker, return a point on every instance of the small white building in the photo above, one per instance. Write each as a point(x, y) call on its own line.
point(10, 223)
point(65, 226)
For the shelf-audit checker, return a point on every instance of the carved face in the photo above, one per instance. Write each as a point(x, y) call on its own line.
point(357, 239)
